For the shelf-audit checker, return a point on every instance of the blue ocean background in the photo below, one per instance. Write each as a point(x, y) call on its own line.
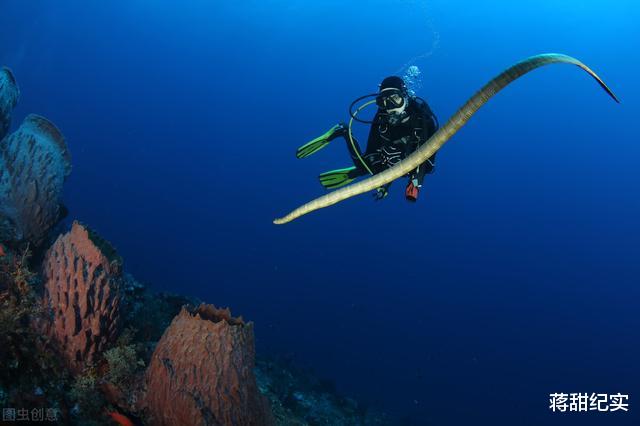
point(513, 277)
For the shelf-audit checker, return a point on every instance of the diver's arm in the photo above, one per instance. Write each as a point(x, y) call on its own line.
point(416, 177)
point(428, 125)
point(425, 126)
point(423, 169)
point(428, 166)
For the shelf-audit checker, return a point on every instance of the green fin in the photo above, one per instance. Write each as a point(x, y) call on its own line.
point(336, 178)
point(318, 143)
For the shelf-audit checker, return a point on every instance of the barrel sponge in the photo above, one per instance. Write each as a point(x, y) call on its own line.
point(82, 287)
point(9, 94)
point(34, 163)
point(201, 373)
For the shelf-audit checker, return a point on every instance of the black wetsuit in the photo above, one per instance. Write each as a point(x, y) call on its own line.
point(389, 143)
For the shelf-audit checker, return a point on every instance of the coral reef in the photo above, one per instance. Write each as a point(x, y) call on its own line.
point(115, 381)
point(299, 398)
point(82, 283)
point(201, 372)
point(9, 95)
point(34, 163)
point(149, 313)
point(29, 369)
point(76, 337)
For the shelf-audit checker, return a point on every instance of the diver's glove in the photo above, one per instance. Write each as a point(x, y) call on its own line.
point(411, 193)
point(380, 194)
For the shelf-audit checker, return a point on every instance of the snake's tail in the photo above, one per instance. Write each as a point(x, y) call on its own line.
point(445, 133)
point(599, 80)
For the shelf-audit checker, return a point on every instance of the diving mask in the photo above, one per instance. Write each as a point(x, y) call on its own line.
point(391, 99)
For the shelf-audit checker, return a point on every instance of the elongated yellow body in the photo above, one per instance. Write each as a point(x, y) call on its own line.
point(445, 133)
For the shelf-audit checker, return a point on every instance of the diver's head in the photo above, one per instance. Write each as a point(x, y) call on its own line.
point(393, 96)
point(392, 101)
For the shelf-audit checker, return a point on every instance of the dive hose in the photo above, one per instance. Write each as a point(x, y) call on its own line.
point(353, 144)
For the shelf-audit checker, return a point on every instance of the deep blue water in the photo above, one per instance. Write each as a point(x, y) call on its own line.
point(514, 276)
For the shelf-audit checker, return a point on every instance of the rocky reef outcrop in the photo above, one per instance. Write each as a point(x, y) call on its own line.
point(201, 372)
point(34, 163)
point(82, 283)
point(9, 94)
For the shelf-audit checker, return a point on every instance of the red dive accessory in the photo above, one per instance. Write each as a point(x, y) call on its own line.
point(411, 193)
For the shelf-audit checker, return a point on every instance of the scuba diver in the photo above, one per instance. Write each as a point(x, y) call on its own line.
point(402, 123)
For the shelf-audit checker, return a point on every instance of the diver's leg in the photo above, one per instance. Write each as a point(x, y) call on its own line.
point(321, 141)
point(354, 151)
point(336, 178)
point(371, 161)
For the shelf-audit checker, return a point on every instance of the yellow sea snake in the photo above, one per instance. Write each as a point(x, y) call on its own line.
point(445, 133)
